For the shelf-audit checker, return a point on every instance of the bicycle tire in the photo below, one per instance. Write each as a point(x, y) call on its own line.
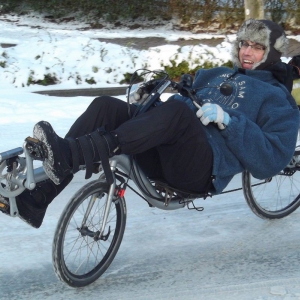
point(78, 259)
point(273, 198)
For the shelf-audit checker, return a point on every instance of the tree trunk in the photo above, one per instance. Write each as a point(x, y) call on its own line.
point(254, 9)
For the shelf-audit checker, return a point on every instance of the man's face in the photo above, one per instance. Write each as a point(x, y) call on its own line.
point(250, 53)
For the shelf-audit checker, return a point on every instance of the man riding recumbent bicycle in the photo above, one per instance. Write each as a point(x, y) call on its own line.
point(228, 121)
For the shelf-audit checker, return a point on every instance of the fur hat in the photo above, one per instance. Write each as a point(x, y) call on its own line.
point(266, 33)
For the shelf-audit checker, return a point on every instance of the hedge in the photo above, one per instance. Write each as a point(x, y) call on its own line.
point(184, 11)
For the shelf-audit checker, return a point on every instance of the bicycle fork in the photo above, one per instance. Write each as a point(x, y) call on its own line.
point(99, 235)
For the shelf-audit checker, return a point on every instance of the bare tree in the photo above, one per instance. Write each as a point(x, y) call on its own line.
point(254, 9)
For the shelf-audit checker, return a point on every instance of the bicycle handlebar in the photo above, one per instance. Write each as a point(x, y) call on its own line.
point(184, 87)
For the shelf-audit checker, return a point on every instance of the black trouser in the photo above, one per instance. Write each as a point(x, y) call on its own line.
point(169, 141)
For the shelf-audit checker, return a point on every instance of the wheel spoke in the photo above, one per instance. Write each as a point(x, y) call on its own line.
point(275, 198)
point(79, 256)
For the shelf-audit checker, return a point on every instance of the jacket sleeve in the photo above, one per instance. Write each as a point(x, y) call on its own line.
point(268, 142)
point(295, 63)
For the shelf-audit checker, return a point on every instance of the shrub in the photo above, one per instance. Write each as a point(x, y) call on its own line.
point(175, 71)
point(91, 80)
point(48, 79)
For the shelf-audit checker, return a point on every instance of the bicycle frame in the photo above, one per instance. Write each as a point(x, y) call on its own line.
point(123, 162)
point(126, 165)
point(21, 175)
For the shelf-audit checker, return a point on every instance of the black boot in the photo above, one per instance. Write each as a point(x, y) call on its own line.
point(32, 205)
point(64, 156)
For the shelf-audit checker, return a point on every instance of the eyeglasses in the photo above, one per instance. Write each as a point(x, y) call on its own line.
point(255, 47)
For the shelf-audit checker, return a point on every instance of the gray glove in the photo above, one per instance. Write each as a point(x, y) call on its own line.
point(211, 112)
point(137, 93)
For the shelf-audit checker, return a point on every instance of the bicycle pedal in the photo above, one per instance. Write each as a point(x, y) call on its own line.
point(4, 206)
point(36, 148)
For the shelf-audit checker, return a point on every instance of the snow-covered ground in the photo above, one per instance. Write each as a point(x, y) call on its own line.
point(224, 252)
point(74, 57)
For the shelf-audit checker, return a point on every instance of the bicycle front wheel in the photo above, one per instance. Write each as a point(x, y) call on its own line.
point(275, 197)
point(79, 257)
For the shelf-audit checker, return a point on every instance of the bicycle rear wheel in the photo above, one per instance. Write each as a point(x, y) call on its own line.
point(78, 257)
point(275, 197)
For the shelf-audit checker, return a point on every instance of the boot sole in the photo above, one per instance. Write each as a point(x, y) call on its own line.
point(54, 165)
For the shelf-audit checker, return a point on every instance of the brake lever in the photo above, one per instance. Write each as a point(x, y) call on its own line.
point(220, 126)
point(198, 104)
point(153, 98)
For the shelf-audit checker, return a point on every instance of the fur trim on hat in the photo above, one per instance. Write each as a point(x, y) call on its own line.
point(263, 32)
